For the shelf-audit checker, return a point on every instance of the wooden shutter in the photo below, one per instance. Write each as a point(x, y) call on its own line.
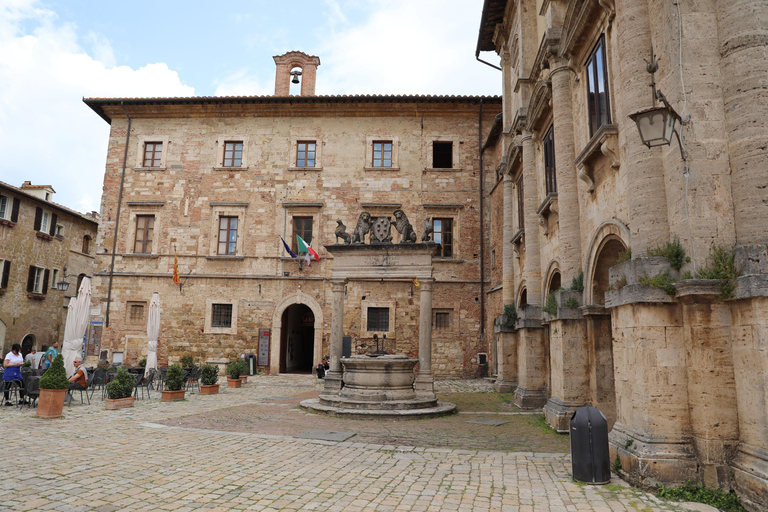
point(6, 273)
point(15, 210)
point(54, 218)
point(46, 275)
point(31, 279)
point(38, 218)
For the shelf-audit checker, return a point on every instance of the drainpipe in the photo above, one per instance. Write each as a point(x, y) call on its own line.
point(482, 226)
point(117, 217)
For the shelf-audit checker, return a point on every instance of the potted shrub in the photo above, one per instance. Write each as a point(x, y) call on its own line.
point(174, 384)
point(120, 390)
point(187, 362)
point(233, 374)
point(209, 376)
point(243, 371)
point(143, 362)
point(53, 390)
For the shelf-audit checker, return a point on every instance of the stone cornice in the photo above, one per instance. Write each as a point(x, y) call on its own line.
point(579, 15)
point(539, 105)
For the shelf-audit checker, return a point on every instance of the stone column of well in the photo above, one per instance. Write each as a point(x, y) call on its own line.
point(424, 384)
point(532, 263)
point(646, 189)
point(567, 185)
point(506, 377)
point(333, 380)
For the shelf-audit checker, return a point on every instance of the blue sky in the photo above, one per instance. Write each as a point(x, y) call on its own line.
point(54, 53)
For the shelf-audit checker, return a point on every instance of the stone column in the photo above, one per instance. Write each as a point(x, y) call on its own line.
point(646, 189)
point(532, 264)
point(508, 276)
point(333, 380)
point(567, 184)
point(424, 384)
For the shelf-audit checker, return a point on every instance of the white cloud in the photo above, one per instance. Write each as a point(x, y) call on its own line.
point(47, 134)
point(242, 83)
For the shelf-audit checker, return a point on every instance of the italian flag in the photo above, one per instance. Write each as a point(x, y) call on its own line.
point(305, 247)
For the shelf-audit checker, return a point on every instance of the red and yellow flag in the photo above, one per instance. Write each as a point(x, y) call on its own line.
point(175, 267)
point(416, 282)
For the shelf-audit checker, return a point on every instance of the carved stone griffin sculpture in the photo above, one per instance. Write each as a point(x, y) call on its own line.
point(428, 229)
point(341, 232)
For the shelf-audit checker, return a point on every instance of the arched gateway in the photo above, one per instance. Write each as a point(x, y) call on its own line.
point(297, 331)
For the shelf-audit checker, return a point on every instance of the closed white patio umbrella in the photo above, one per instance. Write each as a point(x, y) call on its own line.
point(77, 323)
point(153, 332)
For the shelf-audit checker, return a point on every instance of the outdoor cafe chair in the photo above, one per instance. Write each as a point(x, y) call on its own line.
point(32, 385)
point(87, 385)
point(192, 379)
point(145, 384)
point(98, 381)
point(14, 389)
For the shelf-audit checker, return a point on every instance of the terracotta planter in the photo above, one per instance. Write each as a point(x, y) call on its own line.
point(234, 383)
point(172, 396)
point(51, 403)
point(209, 389)
point(119, 403)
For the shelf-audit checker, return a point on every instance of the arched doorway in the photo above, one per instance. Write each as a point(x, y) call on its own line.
point(297, 339)
point(27, 342)
point(600, 330)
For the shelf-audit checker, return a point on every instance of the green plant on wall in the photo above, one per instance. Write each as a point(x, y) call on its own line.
point(551, 305)
point(510, 312)
point(624, 255)
point(571, 303)
point(691, 491)
point(722, 267)
point(673, 251)
point(663, 281)
point(577, 283)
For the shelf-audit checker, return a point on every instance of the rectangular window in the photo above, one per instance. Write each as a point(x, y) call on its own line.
point(597, 88)
point(378, 319)
point(233, 154)
point(145, 226)
point(45, 222)
point(442, 155)
point(55, 277)
point(549, 162)
point(59, 230)
point(5, 208)
point(227, 235)
point(520, 203)
point(382, 153)
point(136, 313)
point(153, 151)
point(221, 315)
point(443, 235)
point(5, 272)
point(37, 281)
point(302, 226)
point(305, 154)
point(442, 320)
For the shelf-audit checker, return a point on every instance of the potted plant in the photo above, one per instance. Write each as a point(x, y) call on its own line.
point(209, 376)
point(53, 390)
point(243, 371)
point(143, 362)
point(187, 362)
point(120, 390)
point(174, 383)
point(233, 374)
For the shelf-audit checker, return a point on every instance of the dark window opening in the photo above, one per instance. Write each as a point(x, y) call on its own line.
point(520, 204)
point(598, 101)
point(549, 162)
point(442, 155)
point(442, 320)
point(222, 315)
point(378, 319)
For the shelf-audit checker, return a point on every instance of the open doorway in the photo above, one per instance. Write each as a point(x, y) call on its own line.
point(26, 344)
point(297, 339)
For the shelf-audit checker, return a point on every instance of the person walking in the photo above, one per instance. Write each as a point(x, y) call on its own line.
point(12, 373)
point(30, 358)
point(50, 355)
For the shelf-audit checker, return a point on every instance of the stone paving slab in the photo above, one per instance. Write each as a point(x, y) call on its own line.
point(488, 421)
point(325, 435)
point(98, 460)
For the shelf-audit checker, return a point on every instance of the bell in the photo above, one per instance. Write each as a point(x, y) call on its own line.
point(295, 79)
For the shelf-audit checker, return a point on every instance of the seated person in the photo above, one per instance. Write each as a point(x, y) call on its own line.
point(79, 380)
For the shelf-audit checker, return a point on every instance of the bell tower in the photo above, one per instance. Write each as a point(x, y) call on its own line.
point(295, 61)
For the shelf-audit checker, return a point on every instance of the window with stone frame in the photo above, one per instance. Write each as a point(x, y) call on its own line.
point(37, 280)
point(153, 153)
point(441, 319)
point(9, 208)
point(227, 235)
point(443, 234)
point(135, 313)
point(598, 100)
point(382, 153)
point(442, 155)
point(302, 226)
point(5, 273)
point(378, 320)
point(305, 153)
point(550, 176)
point(221, 315)
point(45, 221)
point(86, 244)
point(54, 277)
point(233, 154)
point(145, 227)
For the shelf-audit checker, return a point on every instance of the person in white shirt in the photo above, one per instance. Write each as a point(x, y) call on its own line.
point(31, 358)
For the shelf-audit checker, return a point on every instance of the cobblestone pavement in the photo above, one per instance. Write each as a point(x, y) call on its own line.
point(100, 460)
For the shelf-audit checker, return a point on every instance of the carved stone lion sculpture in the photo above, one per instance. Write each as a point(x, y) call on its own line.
point(428, 229)
point(362, 228)
point(404, 227)
point(341, 232)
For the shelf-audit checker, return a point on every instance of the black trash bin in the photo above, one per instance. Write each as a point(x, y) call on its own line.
point(590, 458)
point(250, 361)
